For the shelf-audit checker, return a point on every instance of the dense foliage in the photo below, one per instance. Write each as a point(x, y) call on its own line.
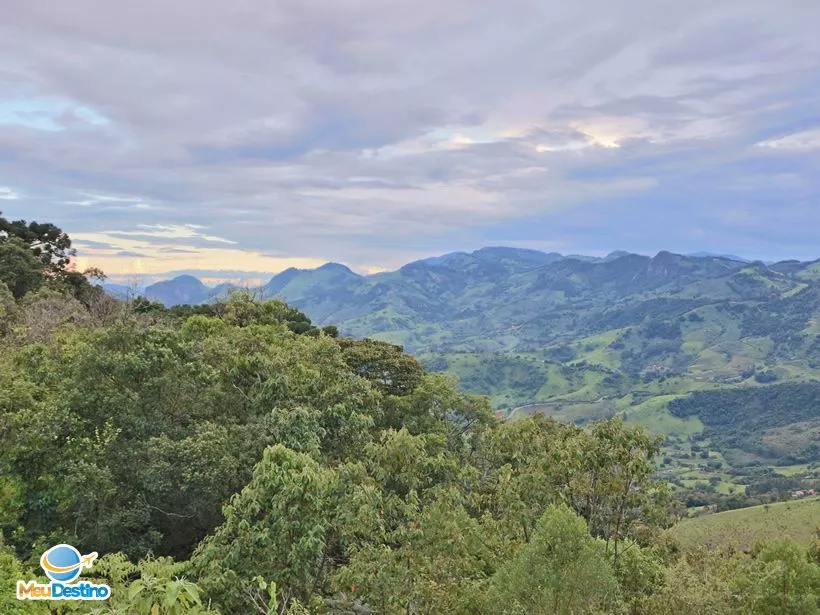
point(34, 254)
point(270, 458)
point(236, 459)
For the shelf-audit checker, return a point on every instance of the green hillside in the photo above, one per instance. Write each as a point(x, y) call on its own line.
point(798, 520)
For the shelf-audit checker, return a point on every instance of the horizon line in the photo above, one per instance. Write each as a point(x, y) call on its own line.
point(238, 276)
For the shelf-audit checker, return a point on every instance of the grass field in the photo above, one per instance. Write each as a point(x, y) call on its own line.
point(654, 415)
point(798, 520)
point(793, 470)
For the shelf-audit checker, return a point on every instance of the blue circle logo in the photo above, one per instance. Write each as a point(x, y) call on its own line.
point(62, 563)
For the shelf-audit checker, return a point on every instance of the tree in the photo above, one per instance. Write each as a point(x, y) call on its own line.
point(154, 585)
point(33, 254)
point(331, 331)
point(782, 580)
point(20, 270)
point(700, 581)
point(243, 310)
point(384, 364)
point(522, 468)
point(8, 310)
point(48, 243)
point(561, 571)
point(640, 573)
point(604, 474)
point(276, 530)
point(12, 569)
point(44, 312)
point(437, 562)
point(615, 489)
point(435, 405)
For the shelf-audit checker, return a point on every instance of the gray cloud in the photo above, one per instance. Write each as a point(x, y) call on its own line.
point(167, 250)
point(126, 253)
point(371, 132)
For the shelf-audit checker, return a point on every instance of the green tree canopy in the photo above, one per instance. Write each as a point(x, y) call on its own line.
point(49, 243)
point(561, 571)
point(20, 270)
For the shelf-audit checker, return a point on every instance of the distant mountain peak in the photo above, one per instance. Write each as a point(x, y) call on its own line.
point(666, 255)
point(508, 251)
point(181, 289)
point(187, 279)
point(616, 254)
point(583, 258)
point(181, 280)
point(337, 267)
point(730, 257)
point(664, 264)
point(439, 260)
point(280, 280)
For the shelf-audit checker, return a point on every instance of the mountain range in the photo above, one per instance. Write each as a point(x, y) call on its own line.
point(180, 287)
point(502, 299)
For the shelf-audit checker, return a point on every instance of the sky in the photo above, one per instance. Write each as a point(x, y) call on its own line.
point(255, 135)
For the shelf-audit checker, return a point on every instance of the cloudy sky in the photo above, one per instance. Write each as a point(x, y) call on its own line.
point(260, 134)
